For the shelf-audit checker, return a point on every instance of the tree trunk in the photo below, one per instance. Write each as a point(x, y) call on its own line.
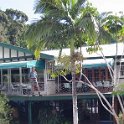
point(74, 92)
point(74, 99)
point(116, 120)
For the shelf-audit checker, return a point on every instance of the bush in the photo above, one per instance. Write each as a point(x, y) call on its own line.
point(4, 110)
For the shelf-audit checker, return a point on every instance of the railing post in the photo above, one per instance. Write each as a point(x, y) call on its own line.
point(20, 75)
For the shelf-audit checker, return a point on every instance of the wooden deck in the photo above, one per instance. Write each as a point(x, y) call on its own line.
point(61, 90)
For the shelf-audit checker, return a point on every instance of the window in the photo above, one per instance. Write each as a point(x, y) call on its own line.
point(89, 75)
point(122, 70)
point(25, 75)
point(5, 76)
point(103, 74)
point(92, 105)
point(108, 75)
point(15, 77)
point(50, 68)
point(96, 74)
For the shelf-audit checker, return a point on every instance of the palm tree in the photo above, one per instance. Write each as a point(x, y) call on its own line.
point(64, 23)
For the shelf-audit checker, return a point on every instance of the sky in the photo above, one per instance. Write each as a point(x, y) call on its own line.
point(27, 6)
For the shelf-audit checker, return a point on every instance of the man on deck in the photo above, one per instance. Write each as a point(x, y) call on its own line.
point(33, 80)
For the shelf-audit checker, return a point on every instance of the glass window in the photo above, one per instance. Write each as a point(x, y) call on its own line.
point(103, 74)
point(85, 73)
point(25, 75)
point(96, 74)
point(89, 75)
point(50, 68)
point(108, 74)
point(5, 75)
point(92, 105)
point(122, 70)
point(15, 77)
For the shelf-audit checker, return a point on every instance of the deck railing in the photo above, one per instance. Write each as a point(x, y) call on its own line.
point(24, 89)
point(66, 87)
point(20, 85)
point(21, 89)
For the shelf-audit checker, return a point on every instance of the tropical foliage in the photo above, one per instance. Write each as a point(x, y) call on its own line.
point(66, 23)
point(60, 22)
point(72, 23)
point(113, 24)
point(4, 110)
point(12, 26)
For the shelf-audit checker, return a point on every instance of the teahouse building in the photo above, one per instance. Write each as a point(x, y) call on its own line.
point(16, 64)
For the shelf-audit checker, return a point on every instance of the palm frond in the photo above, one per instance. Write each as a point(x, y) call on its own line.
point(43, 6)
point(87, 29)
point(77, 5)
point(64, 20)
point(104, 36)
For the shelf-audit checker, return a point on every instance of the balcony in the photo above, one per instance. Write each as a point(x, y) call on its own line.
point(19, 85)
point(66, 88)
point(52, 88)
point(21, 89)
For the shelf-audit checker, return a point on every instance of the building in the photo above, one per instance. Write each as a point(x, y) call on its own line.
point(16, 64)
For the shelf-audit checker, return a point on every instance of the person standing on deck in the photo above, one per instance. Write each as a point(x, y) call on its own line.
point(33, 80)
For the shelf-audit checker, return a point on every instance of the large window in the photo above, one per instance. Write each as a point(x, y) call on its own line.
point(88, 110)
point(97, 74)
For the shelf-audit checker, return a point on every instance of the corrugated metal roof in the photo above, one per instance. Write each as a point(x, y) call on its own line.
point(108, 50)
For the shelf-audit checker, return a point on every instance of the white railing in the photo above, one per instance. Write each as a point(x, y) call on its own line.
point(19, 89)
point(66, 87)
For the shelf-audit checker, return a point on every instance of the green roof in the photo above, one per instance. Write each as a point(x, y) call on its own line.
point(24, 50)
point(27, 64)
point(46, 56)
point(95, 63)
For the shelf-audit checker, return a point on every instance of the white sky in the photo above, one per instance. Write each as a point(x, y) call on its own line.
point(27, 6)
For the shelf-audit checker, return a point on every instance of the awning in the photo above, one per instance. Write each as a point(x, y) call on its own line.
point(46, 56)
point(26, 64)
point(95, 63)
